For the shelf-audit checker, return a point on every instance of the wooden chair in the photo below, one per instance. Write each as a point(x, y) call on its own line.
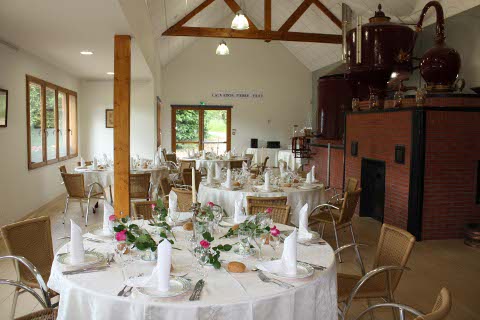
point(62, 169)
point(339, 217)
point(75, 186)
point(171, 157)
point(143, 208)
point(440, 310)
point(87, 163)
point(265, 201)
point(394, 248)
point(259, 169)
point(140, 186)
point(187, 178)
point(184, 197)
point(31, 241)
point(236, 164)
point(280, 213)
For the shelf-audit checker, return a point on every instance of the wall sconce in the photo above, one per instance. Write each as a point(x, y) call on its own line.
point(354, 148)
point(400, 154)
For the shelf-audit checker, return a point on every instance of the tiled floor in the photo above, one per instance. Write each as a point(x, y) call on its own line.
point(433, 264)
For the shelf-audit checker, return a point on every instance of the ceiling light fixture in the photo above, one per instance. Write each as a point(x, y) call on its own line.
point(222, 49)
point(110, 73)
point(240, 22)
point(86, 53)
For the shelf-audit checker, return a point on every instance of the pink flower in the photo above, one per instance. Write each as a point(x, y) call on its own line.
point(205, 244)
point(153, 206)
point(274, 231)
point(112, 217)
point(269, 210)
point(121, 236)
point(210, 204)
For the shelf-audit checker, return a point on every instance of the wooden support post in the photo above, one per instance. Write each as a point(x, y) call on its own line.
point(268, 19)
point(121, 131)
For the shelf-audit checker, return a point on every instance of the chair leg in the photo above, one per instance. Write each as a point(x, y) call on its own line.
point(64, 220)
point(65, 209)
point(323, 229)
point(81, 208)
point(371, 314)
point(391, 299)
point(336, 240)
point(14, 303)
point(359, 257)
point(87, 212)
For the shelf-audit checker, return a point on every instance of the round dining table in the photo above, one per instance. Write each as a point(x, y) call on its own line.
point(296, 197)
point(226, 295)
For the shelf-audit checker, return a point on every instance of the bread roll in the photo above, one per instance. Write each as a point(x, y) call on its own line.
point(188, 226)
point(236, 267)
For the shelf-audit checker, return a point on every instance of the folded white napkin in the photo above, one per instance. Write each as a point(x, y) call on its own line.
point(312, 172)
point(95, 163)
point(209, 174)
point(105, 158)
point(239, 215)
point(308, 180)
point(160, 278)
point(228, 181)
point(172, 201)
point(288, 263)
point(82, 162)
point(282, 169)
point(266, 186)
point(218, 171)
point(77, 252)
point(303, 233)
point(107, 212)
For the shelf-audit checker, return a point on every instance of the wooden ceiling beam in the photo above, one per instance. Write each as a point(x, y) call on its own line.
point(328, 13)
point(295, 15)
point(235, 8)
point(257, 35)
point(268, 15)
point(189, 16)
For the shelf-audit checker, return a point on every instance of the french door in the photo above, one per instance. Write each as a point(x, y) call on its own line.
point(196, 128)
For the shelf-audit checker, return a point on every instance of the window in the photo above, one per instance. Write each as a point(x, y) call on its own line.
point(200, 128)
point(51, 123)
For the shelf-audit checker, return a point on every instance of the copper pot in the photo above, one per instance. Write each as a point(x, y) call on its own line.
point(440, 65)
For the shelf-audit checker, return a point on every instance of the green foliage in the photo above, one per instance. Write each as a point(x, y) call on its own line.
point(36, 110)
point(187, 124)
point(214, 257)
point(251, 224)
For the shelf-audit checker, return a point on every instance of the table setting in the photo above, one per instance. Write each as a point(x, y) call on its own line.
point(206, 159)
point(191, 265)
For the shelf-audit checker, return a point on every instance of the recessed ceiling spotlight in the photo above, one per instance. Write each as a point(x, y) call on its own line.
point(110, 73)
point(86, 53)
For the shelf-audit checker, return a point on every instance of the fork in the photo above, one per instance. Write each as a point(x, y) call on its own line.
point(282, 284)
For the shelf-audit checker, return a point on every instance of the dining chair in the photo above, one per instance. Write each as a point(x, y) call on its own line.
point(186, 164)
point(87, 163)
point(280, 213)
point(254, 201)
point(140, 186)
point(184, 197)
point(75, 186)
point(236, 164)
point(259, 169)
point(249, 158)
point(440, 310)
point(143, 208)
point(393, 251)
point(187, 178)
point(351, 185)
point(62, 169)
point(165, 186)
point(30, 239)
point(171, 157)
point(338, 217)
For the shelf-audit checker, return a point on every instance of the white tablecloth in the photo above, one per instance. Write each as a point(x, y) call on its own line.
point(204, 163)
point(105, 177)
point(229, 296)
point(296, 198)
point(292, 162)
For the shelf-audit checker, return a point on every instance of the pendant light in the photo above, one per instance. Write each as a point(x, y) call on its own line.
point(240, 22)
point(222, 49)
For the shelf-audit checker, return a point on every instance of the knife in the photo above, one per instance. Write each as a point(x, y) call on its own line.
point(84, 270)
point(195, 289)
point(314, 266)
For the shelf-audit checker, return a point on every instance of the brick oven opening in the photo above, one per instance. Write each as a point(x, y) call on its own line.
point(372, 200)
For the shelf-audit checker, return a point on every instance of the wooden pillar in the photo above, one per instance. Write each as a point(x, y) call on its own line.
point(121, 131)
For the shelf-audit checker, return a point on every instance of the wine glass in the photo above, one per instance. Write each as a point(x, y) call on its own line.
point(203, 257)
point(174, 216)
point(244, 241)
point(275, 243)
point(262, 236)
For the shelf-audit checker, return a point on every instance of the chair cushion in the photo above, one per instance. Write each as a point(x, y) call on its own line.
point(372, 288)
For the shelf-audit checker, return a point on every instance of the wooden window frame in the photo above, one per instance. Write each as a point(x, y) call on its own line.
point(201, 109)
point(43, 88)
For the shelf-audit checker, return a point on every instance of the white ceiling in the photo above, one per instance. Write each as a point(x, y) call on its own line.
point(57, 30)
point(164, 13)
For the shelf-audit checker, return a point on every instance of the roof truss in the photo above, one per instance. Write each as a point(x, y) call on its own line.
point(283, 34)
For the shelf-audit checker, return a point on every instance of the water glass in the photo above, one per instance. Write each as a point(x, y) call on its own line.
point(244, 241)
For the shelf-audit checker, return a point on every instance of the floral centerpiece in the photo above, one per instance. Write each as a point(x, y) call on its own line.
point(213, 253)
point(256, 224)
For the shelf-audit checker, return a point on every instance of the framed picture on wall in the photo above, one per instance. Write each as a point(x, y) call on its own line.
point(3, 108)
point(109, 118)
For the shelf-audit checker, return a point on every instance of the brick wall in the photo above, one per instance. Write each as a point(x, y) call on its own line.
point(452, 152)
point(377, 134)
point(319, 160)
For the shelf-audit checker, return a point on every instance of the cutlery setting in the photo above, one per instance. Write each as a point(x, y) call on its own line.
point(280, 283)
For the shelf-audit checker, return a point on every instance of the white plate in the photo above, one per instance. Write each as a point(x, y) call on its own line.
point(315, 236)
point(91, 258)
point(99, 232)
point(178, 286)
point(308, 187)
point(304, 270)
point(262, 189)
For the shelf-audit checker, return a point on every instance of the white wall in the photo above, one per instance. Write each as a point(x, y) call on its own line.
point(253, 65)
point(96, 139)
point(21, 190)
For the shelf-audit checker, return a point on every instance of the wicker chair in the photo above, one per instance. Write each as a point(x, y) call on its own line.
point(171, 157)
point(351, 186)
point(265, 201)
point(186, 164)
point(280, 213)
point(143, 208)
point(339, 217)
point(236, 164)
point(165, 186)
point(187, 178)
point(184, 197)
point(140, 186)
point(75, 185)
point(31, 239)
point(393, 250)
point(62, 169)
point(440, 310)
point(259, 169)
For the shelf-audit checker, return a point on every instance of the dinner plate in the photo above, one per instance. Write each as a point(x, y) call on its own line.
point(272, 189)
point(91, 257)
point(178, 286)
point(304, 270)
point(308, 187)
point(99, 232)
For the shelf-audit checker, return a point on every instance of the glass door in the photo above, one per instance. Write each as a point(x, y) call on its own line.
point(196, 128)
